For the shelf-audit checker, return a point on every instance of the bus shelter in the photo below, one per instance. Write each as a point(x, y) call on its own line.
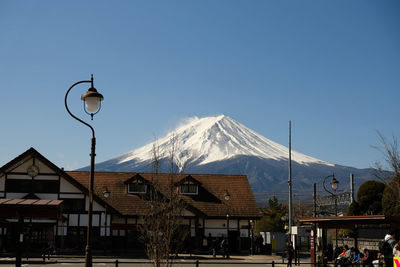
point(15, 213)
point(354, 223)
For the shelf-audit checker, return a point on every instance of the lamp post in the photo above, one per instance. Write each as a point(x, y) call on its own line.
point(92, 104)
point(252, 237)
point(106, 195)
point(227, 197)
point(334, 185)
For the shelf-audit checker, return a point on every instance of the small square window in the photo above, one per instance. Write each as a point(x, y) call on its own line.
point(137, 188)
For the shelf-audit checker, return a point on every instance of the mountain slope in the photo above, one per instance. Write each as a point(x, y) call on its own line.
point(224, 146)
point(214, 139)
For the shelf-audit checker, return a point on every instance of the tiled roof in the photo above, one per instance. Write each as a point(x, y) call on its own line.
point(209, 202)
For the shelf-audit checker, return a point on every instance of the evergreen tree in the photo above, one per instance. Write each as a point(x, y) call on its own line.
point(272, 221)
point(369, 197)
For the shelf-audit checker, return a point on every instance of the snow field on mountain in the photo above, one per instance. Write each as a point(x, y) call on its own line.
point(211, 139)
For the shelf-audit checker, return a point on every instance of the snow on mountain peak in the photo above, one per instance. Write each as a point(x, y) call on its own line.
point(216, 138)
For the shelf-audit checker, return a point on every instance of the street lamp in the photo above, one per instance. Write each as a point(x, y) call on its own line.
point(334, 185)
point(227, 197)
point(92, 104)
point(252, 237)
point(106, 195)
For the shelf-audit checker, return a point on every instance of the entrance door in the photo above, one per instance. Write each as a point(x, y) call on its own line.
point(233, 240)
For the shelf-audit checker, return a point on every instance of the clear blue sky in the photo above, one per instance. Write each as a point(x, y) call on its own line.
point(332, 67)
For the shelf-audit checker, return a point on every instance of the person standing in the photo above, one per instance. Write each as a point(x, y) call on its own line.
point(387, 250)
point(210, 243)
point(289, 253)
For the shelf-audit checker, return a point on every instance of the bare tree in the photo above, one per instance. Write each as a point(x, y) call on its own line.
point(391, 154)
point(162, 229)
point(391, 177)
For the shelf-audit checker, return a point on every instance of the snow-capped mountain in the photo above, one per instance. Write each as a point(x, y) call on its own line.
point(211, 139)
point(220, 144)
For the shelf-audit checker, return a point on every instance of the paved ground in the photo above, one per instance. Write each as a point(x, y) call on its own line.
point(184, 260)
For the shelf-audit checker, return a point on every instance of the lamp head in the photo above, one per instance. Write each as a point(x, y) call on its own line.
point(106, 194)
point(92, 100)
point(227, 196)
point(334, 183)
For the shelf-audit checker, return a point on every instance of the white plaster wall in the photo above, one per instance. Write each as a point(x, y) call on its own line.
point(73, 219)
point(83, 220)
point(96, 206)
point(215, 232)
point(62, 230)
point(43, 221)
point(233, 224)
point(243, 223)
point(216, 223)
point(43, 177)
point(104, 230)
point(21, 167)
point(187, 213)
point(103, 219)
point(19, 177)
point(95, 219)
point(244, 233)
point(15, 195)
point(43, 167)
point(66, 187)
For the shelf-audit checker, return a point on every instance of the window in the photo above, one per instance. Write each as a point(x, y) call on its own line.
point(36, 186)
point(137, 187)
point(188, 189)
point(71, 204)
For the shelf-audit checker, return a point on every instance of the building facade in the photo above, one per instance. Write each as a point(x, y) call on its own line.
point(31, 186)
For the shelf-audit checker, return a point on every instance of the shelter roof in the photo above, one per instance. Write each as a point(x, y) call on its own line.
point(14, 208)
point(353, 221)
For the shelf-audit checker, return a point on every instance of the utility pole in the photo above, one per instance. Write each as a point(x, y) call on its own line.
point(351, 188)
point(290, 181)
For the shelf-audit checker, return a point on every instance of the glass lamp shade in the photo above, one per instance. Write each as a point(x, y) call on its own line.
point(106, 194)
point(92, 103)
point(92, 99)
point(227, 196)
point(334, 183)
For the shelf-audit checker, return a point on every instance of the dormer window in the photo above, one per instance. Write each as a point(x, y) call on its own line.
point(188, 189)
point(188, 186)
point(137, 185)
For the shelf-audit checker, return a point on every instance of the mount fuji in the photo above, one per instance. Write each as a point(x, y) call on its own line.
point(221, 145)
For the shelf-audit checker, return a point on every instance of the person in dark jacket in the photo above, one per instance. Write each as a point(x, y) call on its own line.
point(289, 253)
point(388, 253)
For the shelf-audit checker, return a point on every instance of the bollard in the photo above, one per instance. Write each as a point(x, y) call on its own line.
point(116, 263)
point(197, 263)
point(273, 263)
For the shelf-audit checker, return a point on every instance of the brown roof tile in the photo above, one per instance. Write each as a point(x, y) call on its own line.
point(209, 202)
